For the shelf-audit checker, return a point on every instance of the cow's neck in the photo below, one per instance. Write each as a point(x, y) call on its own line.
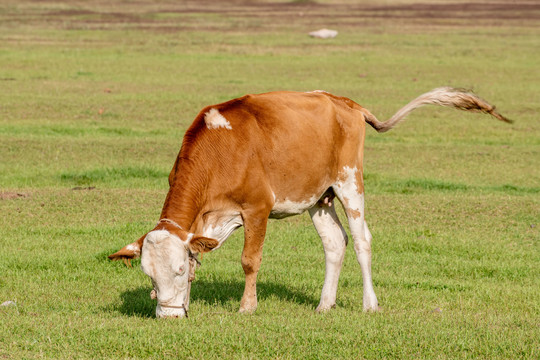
point(186, 195)
point(188, 204)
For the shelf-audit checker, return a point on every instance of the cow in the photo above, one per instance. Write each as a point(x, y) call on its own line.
point(262, 156)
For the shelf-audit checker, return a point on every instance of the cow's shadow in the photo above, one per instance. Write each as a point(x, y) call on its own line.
point(137, 302)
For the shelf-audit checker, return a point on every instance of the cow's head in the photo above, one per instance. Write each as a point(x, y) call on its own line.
point(165, 258)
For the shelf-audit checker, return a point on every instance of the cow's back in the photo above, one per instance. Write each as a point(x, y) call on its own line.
point(293, 142)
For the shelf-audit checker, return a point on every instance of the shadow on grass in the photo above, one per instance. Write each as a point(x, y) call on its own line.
point(137, 302)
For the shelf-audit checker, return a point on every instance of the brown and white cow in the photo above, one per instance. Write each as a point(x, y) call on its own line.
point(264, 156)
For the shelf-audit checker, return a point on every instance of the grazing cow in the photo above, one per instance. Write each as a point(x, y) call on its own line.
point(266, 156)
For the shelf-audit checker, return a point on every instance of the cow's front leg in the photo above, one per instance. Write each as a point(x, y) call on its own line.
point(254, 232)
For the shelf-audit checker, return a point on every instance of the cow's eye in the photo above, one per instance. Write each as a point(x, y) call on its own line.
point(181, 269)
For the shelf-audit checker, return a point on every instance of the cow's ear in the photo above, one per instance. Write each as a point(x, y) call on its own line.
point(201, 244)
point(129, 252)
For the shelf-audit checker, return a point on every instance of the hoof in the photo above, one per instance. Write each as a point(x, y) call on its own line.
point(371, 303)
point(248, 306)
point(373, 309)
point(247, 311)
point(324, 308)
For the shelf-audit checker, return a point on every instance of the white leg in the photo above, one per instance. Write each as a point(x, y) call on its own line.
point(362, 246)
point(349, 192)
point(334, 240)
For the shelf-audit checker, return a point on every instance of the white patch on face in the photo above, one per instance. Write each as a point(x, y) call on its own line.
point(165, 260)
point(318, 91)
point(221, 227)
point(348, 188)
point(287, 207)
point(214, 120)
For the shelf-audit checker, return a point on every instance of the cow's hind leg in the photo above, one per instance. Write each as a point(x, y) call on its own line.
point(350, 192)
point(363, 254)
point(334, 240)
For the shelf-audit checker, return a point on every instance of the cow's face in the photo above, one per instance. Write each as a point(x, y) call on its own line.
point(165, 258)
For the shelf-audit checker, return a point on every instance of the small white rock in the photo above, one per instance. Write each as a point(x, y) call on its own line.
point(324, 34)
point(8, 303)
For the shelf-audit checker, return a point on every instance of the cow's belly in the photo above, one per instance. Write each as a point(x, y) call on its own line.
point(287, 207)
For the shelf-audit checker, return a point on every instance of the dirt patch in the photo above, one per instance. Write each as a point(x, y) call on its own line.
point(479, 10)
point(8, 195)
point(310, 12)
point(252, 16)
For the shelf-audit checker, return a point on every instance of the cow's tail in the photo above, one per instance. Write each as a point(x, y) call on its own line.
point(444, 96)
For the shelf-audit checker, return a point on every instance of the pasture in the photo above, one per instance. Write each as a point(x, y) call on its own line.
point(95, 97)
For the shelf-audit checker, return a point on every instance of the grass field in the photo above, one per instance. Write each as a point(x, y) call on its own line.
point(95, 97)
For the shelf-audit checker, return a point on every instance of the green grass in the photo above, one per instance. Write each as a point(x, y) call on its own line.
point(95, 98)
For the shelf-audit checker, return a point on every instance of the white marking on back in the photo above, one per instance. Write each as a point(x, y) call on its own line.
point(214, 120)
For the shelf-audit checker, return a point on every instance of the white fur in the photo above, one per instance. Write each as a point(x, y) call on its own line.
point(348, 191)
point(214, 120)
point(334, 240)
point(165, 312)
point(134, 248)
point(157, 236)
point(163, 256)
point(363, 255)
point(287, 207)
point(349, 188)
point(220, 227)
